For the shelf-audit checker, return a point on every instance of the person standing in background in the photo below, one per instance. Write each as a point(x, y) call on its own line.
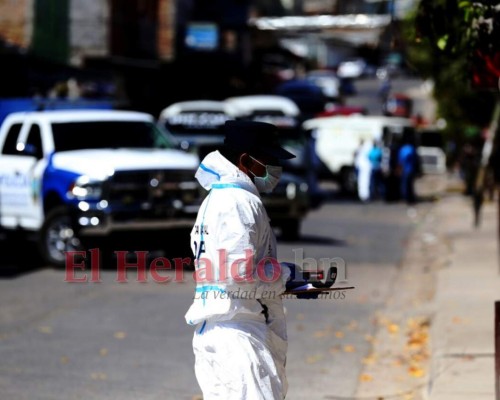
point(363, 168)
point(408, 165)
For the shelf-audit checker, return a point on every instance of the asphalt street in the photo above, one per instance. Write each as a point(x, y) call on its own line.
point(109, 340)
point(129, 340)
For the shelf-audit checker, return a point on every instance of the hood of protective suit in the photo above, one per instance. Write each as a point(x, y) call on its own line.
point(215, 168)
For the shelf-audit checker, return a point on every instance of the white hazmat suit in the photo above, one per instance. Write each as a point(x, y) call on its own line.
point(240, 340)
point(364, 170)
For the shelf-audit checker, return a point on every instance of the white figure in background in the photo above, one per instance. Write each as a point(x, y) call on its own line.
point(364, 169)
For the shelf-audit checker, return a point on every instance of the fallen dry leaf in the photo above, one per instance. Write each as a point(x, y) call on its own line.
point(349, 348)
point(334, 349)
point(99, 376)
point(416, 371)
point(419, 357)
point(370, 339)
point(45, 329)
point(339, 334)
point(352, 325)
point(120, 335)
point(103, 352)
point(366, 378)
point(393, 328)
point(369, 360)
point(397, 362)
point(313, 359)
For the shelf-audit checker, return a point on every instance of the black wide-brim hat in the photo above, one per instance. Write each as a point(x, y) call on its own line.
point(255, 138)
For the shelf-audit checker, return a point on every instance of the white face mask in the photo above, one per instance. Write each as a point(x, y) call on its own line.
point(266, 184)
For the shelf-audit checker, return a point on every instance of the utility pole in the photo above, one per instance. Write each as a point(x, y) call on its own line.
point(497, 350)
point(484, 165)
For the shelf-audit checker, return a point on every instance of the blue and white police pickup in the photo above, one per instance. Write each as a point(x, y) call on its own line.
point(68, 174)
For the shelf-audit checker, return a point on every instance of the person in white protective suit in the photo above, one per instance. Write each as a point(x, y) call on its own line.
point(364, 170)
point(240, 339)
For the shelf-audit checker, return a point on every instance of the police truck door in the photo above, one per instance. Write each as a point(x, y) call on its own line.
point(20, 204)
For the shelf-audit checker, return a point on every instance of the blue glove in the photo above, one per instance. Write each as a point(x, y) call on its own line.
point(297, 280)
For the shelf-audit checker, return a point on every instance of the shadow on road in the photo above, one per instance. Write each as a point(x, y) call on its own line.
point(19, 256)
point(311, 239)
point(171, 244)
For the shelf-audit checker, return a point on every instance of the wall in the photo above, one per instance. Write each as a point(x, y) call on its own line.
point(89, 29)
point(166, 29)
point(16, 18)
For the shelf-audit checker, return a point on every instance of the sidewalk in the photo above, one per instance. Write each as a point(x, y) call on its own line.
point(435, 335)
point(462, 333)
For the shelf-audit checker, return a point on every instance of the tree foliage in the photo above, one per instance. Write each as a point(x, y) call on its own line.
point(454, 43)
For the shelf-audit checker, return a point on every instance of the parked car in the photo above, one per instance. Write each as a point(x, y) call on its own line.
point(350, 69)
point(308, 96)
point(281, 112)
point(300, 176)
point(341, 109)
point(290, 201)
point(431, 150)
point(328, 81)
point(432, 160)
point(354, 68)
point(70, 175)
point(397, 105)
point(197, 124)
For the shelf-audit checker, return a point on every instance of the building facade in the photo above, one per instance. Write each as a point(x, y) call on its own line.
point(16, 25)
point(69, 31)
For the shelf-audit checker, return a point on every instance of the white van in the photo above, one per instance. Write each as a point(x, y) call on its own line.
point(337, 139)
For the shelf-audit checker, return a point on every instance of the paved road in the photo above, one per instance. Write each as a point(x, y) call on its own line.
point(112, 340)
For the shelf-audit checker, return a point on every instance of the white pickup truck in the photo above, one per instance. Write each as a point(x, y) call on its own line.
point(68, 174)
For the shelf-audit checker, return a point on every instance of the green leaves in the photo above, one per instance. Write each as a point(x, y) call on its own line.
point(442, 42)
point(442, 38)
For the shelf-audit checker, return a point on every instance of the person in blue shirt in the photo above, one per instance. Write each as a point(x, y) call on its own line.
point(408, 162)
point(376, 177)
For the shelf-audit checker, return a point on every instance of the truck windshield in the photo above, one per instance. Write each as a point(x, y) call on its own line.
point(109, 134)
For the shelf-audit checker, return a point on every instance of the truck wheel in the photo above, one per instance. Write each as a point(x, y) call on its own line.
point(290, 229)
point(349, 181)
point(57, 236)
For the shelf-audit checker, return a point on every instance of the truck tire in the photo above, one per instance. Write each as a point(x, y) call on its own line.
point(58, 236)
